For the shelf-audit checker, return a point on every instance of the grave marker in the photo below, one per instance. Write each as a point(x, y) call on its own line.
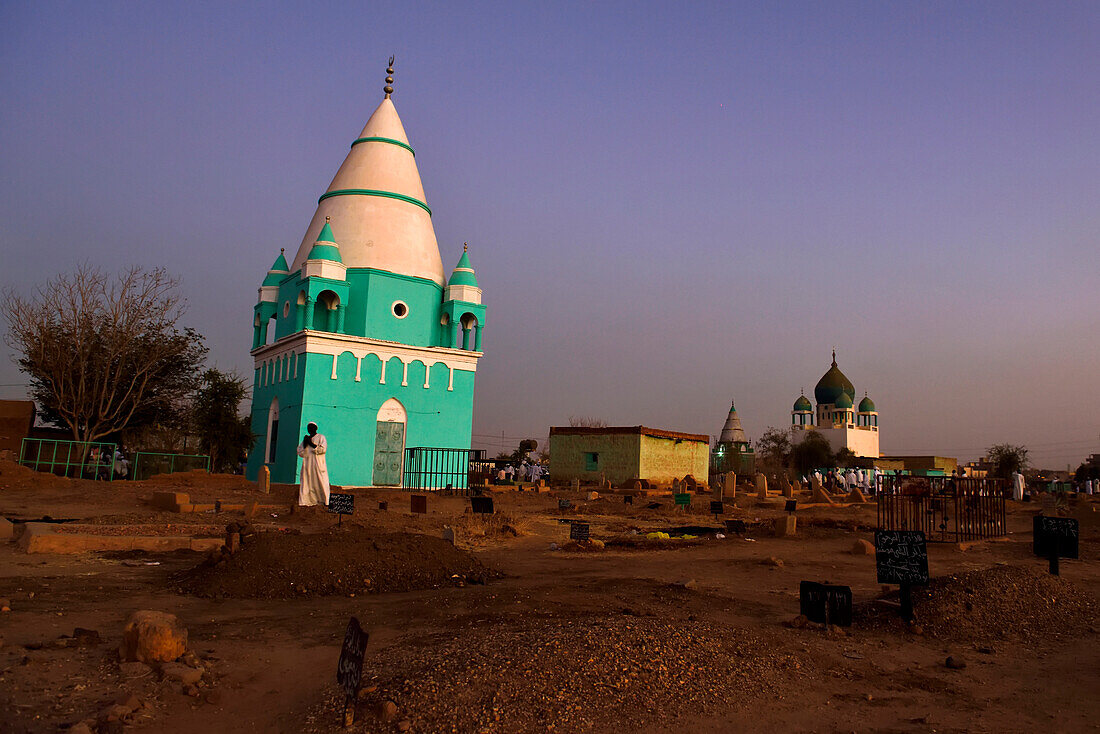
point(790, 506)
point(349, 670)
point(825, 604)
point(1054, 538)
point(341, 504)
point(419, 504)
point(901, 557)
point(565, 505)
point(481, 505)
point(384, 506)
point(628, 499)
point(579, 531)
point(716, 509)
point(682, 500)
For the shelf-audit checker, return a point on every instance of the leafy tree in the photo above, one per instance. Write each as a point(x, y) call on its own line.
point(845, 457)
point(1006, 459)
point(105, 353)
point(1086, 472)
point(773, 450)
point(585, 421)
point(223, 432)
point(811, 452)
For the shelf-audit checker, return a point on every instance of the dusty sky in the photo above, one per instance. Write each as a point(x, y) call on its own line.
point(669, 206)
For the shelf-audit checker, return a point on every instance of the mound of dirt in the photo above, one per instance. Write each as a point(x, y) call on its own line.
point(14, 475)
point(339, 561)
point(1004, 602)
point(574, 674)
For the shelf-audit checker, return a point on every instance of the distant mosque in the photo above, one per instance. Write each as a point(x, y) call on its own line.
point(837, 418)
point(733, 452)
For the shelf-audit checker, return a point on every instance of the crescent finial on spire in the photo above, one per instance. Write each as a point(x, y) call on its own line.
point(388, 89)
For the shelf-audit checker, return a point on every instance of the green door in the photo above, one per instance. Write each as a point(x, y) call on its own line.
point(389, 447)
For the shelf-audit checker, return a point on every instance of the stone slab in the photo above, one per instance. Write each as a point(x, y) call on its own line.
point(42, 538)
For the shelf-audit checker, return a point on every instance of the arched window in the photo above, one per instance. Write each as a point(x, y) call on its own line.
point(471, 332)
point(272, 430)
point(325, 310)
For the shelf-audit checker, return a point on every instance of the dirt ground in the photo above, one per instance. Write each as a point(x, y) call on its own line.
point(642, 635)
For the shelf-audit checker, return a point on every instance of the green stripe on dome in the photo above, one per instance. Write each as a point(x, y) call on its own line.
point(391, 141)
point(373, 192)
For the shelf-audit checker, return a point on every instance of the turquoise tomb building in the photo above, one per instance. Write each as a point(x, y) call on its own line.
point(360, 332)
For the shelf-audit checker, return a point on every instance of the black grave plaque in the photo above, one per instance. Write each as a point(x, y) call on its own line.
point(825, 603)
point(419, 504)
point(565, 505)
point(349, 671)
point(717, 508)
point(578, 531)
point(1056, 536)
point(341, 504)
point(481, 505)
point(901, 557)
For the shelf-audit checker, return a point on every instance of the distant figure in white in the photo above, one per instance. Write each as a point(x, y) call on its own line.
point(1017, 486)
point(314, 489)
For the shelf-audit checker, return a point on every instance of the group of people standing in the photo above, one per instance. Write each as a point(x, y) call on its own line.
point(845, 480)
point(525, 472)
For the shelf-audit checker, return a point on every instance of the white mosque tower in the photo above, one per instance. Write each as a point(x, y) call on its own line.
point(836, 417)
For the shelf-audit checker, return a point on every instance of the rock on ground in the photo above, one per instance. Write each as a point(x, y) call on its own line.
point(151, 636)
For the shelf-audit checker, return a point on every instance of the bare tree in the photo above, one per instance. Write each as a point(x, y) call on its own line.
point(105, 353)
point(584, 421)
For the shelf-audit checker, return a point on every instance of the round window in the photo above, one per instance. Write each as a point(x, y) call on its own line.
point(286, 309)
point(400, 309)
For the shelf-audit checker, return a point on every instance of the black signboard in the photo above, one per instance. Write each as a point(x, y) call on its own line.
point(349, 671)
point(565, 505)
point(341, 504)
point(790, 506)
point(628, 499)
point(578, 531)
point(383, 506)
point(1054, 538)
point(901, 557)
point(717, 508)
point(825, 604)
point(482, 505)
point(419, 504)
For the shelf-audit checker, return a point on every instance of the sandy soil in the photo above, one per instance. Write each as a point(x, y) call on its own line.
point(684, 637)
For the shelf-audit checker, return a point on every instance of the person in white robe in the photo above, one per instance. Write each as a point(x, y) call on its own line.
point(314, 489)
point(1018, 486)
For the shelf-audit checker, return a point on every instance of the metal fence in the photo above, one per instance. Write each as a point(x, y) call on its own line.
point(947, 509)
point(148, 463)
point(435, 468)
point(73, 459)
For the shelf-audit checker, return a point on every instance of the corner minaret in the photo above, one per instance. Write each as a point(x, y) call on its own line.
point(462, 307)
point(370, 341)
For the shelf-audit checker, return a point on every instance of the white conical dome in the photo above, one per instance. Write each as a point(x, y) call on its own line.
point(732, 431)
point(376, 202)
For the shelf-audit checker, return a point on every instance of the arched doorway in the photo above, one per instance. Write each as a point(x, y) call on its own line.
point(389, 444)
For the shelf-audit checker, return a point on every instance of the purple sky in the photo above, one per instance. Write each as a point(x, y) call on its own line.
point(669, 206)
